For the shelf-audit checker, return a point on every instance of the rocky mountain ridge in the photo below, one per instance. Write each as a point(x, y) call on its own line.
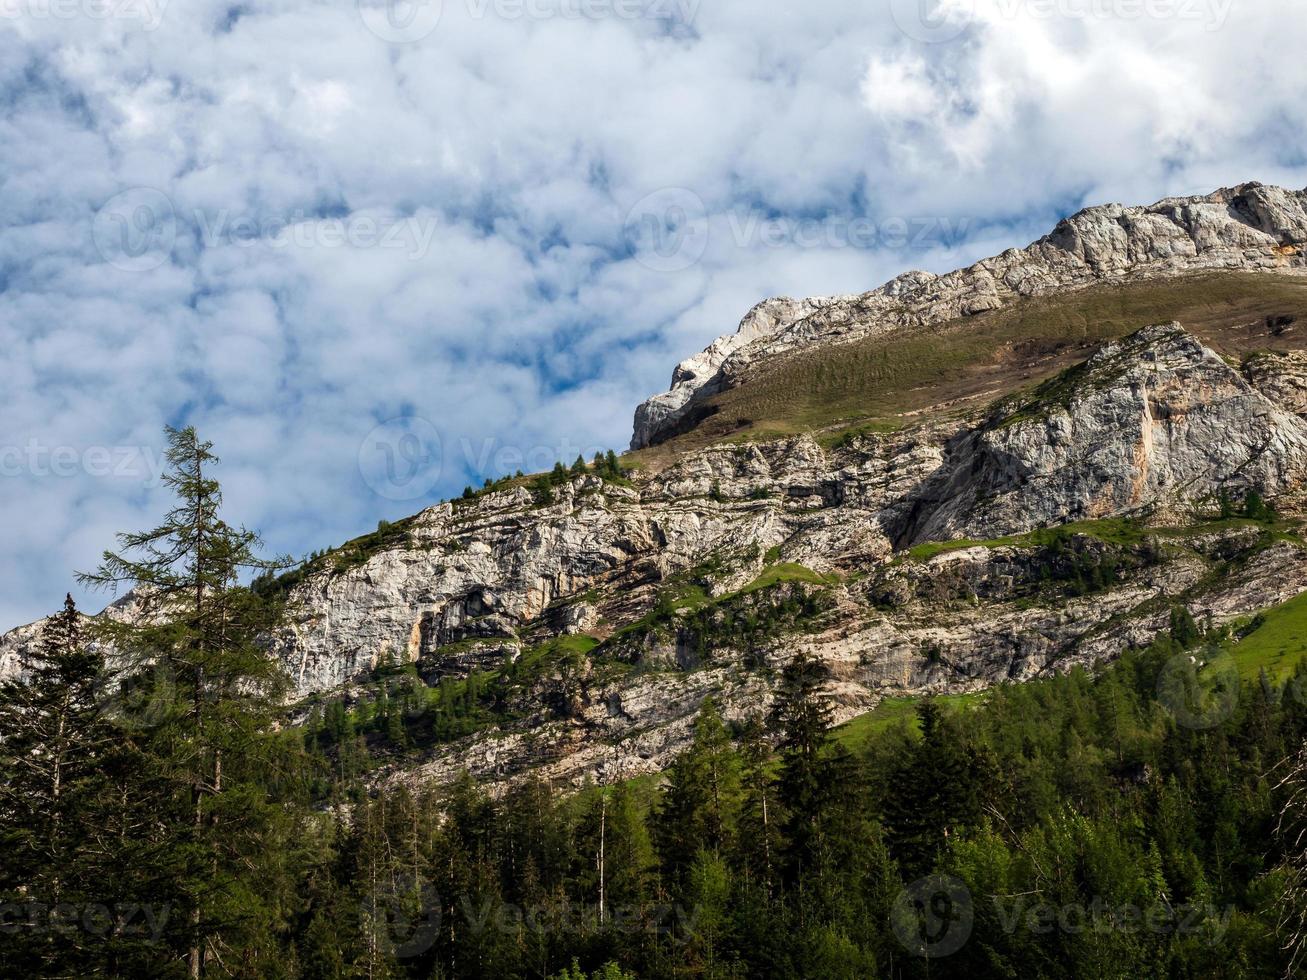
point(954, 550)
point(1251, 227)
point(829, 549)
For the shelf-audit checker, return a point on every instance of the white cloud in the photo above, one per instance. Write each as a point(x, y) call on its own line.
point(511, 313)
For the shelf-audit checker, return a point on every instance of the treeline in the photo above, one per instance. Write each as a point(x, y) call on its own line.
point(1144, 820)
point(605, 465)
point(1068, 827)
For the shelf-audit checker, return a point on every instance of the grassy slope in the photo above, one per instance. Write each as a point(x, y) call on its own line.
point(1115, 530)
point(855, 732)
point(1121, 531)
point(1278, 642)
point(881, 383)
point(1276, 645)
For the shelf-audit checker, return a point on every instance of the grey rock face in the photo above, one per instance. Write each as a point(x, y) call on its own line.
point(1153, 426)
point(1156, 420)
point(1251, 227)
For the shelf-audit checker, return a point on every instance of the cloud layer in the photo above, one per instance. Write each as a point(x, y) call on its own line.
point(503, 221)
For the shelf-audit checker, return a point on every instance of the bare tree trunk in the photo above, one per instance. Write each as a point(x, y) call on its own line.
point(603, 817)
point(1291, 829)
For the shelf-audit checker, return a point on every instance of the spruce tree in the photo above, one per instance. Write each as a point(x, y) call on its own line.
point(802, 717)
point(700, 804)
point(53, 742)
point(51, 734)
point(934, 793)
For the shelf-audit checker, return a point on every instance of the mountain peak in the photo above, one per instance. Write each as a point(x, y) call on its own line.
point(1250, 227)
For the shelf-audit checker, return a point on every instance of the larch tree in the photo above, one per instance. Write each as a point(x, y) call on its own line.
point(196, 641)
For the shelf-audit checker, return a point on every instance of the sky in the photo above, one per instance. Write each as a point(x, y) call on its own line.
point(378, 250)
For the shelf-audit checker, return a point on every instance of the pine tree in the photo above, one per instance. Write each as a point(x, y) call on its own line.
point(1184, 631)
point(1255, 507)
point(615, 853)
point(1225, 504)
point(396, 732)
point(1291, 834)
point(700, 805)
point(802, 717)
point(759, 841)
point(201, 628)
point(53, 744)
point(934, 793)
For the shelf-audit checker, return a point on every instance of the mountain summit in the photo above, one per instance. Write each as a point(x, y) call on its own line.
point(1251, 227)
point(945, 484)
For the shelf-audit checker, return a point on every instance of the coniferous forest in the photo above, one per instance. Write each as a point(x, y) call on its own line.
point(164, 815)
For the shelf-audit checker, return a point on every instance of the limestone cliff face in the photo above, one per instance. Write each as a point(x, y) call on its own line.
point(1155, 421)
point(1251, 227)
point(1156, 425)
point(707, 576)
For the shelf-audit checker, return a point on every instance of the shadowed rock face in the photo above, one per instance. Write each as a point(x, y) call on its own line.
point(1157, 420)
point(1251, 228)
point(1154, 426)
